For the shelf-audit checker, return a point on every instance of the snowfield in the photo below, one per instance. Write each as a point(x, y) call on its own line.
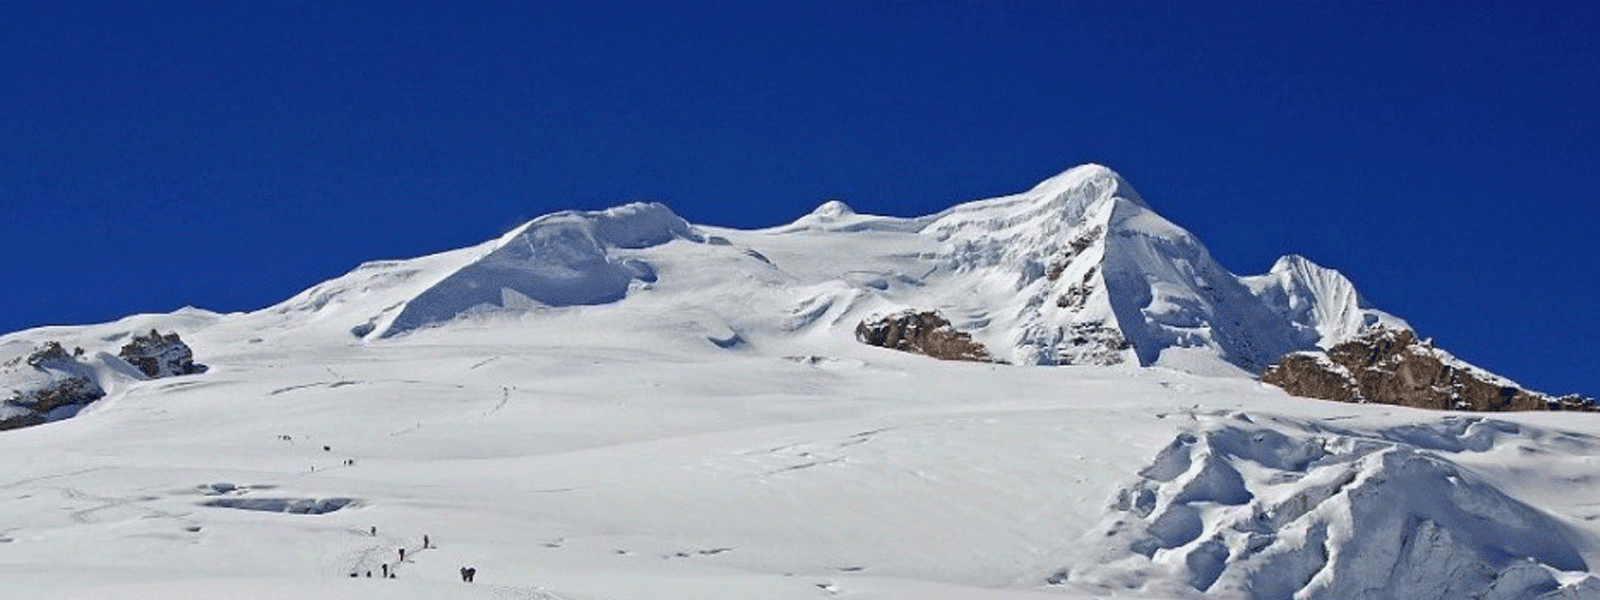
point(623, 406)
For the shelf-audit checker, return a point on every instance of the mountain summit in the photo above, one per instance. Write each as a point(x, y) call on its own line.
point(1079, 269)
point(621, 404)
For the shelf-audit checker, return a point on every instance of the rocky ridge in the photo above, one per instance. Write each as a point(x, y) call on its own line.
point(1393, 367)
point(51, 383)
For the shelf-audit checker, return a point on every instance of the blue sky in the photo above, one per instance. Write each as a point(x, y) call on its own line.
point(229, 154)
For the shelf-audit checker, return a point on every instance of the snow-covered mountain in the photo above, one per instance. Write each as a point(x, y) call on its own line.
point(1077, 270)
point(620, 404)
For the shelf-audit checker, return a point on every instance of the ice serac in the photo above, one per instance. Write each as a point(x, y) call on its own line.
point(562, 259)
point(1280, 508)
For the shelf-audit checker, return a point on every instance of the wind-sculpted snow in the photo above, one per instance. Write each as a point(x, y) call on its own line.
point(1167, 292)
point(1281, 509)
point(563, 259)
point(1319, 299)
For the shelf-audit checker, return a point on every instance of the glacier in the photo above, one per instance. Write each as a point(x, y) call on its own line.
point(620, 404)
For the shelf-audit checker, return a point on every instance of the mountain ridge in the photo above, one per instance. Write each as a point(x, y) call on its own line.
point(622, 404)
point(1076, 270)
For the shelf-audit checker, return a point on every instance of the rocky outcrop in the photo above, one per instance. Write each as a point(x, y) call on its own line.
point(66, 391)
point(50, 383)
point(48, 380)
point(1091, 343)
point(924, 332)
point(1392, 367)
point(158, 355)
point(20, 419)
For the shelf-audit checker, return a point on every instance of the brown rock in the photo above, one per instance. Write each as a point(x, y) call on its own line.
point(20, 421)
point(1392, 367)
point(1078, 245)
point(1310, 375)
point(923, 332)
point(47, 353)
point(158, 355)
point(66, 382)
point(70, 390)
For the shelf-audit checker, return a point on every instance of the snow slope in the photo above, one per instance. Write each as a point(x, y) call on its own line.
point(1321, 300)
point(620, 405)
point(1077, 270)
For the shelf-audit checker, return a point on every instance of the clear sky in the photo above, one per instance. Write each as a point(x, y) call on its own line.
point(230, 154)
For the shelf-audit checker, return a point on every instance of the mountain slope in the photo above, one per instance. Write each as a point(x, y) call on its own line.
point(618, 404)
point(1076, 270)
point(1317, 299)
point(598, 453)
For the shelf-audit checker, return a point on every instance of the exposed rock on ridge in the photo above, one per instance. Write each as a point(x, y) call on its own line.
point(50, 383)
point(923, 332)
point(1392, 367)
point(52, 380)
point(158, 355)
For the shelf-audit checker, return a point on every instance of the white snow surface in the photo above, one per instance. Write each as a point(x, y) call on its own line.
point(621, 405)
point(1319, 299)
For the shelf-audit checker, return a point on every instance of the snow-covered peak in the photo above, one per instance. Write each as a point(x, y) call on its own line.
point(1057, 204)
point(1321, 300)
point(835, 215)
point(833, 209)
point(561, 259)
point(1078, 269)
point(1104, 182)
point(1289, 263)
point(634, 225)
